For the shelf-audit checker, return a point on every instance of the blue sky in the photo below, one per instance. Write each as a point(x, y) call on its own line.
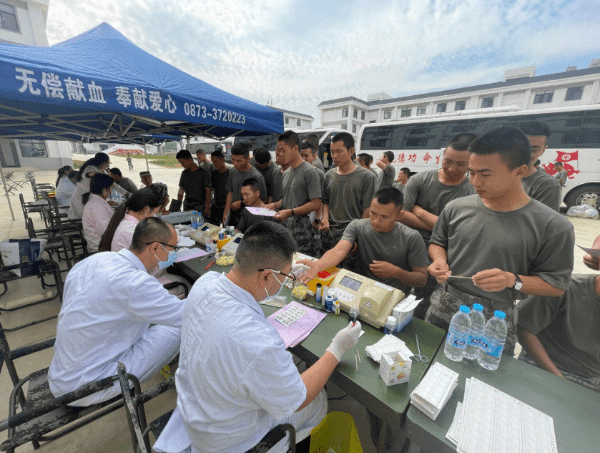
point(299, 53)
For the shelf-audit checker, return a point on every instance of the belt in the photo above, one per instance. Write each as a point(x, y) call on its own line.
point(470, 299)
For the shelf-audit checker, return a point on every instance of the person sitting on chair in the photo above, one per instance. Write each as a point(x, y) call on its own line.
point(110, 301)
point(96, 212)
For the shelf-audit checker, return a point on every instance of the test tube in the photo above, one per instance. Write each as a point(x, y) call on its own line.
point(353, 315)
point(318, 293)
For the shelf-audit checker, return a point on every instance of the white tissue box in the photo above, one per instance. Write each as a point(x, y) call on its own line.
point(394, 368)
point(403, 312)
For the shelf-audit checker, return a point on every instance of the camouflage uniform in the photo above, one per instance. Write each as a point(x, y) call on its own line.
point(330, 238)
point(591, 383)
point(444, 305)
point(305, 235)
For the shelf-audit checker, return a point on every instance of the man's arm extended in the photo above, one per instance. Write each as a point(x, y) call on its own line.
point(536, 351)
point(332, 258)
point(306, 208)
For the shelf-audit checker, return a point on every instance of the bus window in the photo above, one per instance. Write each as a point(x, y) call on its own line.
point(589, 135)
point(564, 126)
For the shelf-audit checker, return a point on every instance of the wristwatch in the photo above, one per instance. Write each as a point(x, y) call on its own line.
point(292, 211)
point(518, 284)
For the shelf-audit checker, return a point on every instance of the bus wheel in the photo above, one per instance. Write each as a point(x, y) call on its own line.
point(589, 194)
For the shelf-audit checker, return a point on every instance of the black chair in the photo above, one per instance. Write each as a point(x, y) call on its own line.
point(134, 399)
point(32, 208)
point(41, 269)
point(42, 416)
point(69, 231)
point(136, 416)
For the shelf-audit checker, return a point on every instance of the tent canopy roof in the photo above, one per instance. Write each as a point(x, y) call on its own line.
point(99, 86)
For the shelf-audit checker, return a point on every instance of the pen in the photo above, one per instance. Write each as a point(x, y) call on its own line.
point(316, 307)
point(210, 264)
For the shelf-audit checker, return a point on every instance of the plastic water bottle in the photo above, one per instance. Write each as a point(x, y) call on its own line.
point(477, 332)
point(390, 325)
point(493, 341)
point(458, 334)
point(194, 219)
point(200, 219)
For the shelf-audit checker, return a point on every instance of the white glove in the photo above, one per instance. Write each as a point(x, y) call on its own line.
point(345, 340)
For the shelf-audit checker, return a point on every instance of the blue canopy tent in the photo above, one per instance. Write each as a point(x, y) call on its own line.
point(99, 86)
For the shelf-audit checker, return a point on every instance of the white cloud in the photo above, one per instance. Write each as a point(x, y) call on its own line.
point(269, 50)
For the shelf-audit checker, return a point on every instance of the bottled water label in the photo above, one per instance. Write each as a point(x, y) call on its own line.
point(456, 341)
point(491, 347)
point(476, 342)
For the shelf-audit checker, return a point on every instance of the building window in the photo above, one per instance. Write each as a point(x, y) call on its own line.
point(354, 113)
point(33, 148)
point(287, 120)
point(362, 115)
point(354, 128)
point(344, 126)
point(103, 147)
point(345, 112)
point(298, 123)
point(460, 105)
point(387, 114)
point(441, 107)
point(543, 97)
point(404, 113)
point(8, 17)
point(486, 103)
point(574, 94)
point(421, 110)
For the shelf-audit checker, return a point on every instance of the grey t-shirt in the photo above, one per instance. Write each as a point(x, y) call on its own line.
point(386, 177)
point(194, 184)
point(532, 241)
point(273, 180)
point(399, 186)
point(208, 166)
point(319, 164)
point(427, 191)
point(236, 177)
point(544, 188)
point(402, 247)
point(128, 185)
point(561, 175)
point(567, 326)
point(300, 185)
point(347, 195)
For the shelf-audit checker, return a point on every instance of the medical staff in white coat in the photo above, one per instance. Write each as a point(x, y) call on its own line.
point(110, 302)
point(96, 212)
point(119, 233)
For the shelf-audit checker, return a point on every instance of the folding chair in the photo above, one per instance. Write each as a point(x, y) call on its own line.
point(70, 232)
point(41, 269)
point(42, 415)
point(32, 207)
point(136, 416)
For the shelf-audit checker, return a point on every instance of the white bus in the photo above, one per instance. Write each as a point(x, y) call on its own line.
point(269, 141)
point(418, 143)
point(208, 145)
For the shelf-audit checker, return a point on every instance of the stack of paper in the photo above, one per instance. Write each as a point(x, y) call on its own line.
point(434, 390)
point(388, 344)
point(185, 254)
point(295, 322)
point(490, 421)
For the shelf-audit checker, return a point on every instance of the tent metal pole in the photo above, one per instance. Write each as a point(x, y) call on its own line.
point(146, 155)
point(6, 192)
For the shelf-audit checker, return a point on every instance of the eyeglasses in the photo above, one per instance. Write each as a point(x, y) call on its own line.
point(292, 277)
point(174, 247)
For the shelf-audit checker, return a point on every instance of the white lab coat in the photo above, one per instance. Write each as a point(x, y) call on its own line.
point(122, 240)
point(64, 191)
point(109, 303)
point(83, 186)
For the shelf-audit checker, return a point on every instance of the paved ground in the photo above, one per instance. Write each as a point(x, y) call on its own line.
point(111, 433)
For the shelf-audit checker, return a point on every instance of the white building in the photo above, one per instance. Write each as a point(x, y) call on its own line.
point(295, 120)
point(23, 22)
point(521, 88)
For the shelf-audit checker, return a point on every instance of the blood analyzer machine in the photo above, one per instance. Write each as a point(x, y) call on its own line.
point(374, 300)
point(233, 243)
point(206, 230)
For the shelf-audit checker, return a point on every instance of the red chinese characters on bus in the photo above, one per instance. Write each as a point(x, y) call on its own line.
point(400, 159)
point(412, 158)
point(427, 158)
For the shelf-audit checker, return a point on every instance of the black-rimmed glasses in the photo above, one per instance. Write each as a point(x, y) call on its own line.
point(292, 277)
point(174, 247)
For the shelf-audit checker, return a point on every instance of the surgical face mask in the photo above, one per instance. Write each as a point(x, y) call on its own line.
point(170, 259)
point(277, 293)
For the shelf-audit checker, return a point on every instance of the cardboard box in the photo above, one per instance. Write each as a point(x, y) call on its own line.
point(394, 368)
point(403, 312)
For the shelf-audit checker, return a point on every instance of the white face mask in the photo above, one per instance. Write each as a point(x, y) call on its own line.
point(277, 293)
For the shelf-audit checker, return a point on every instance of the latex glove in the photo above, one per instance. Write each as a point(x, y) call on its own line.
point(345, 340)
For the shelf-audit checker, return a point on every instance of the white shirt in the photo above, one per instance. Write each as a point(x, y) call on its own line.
point(76, 206)
point(64, 191)
point(96, 217)
point(235, 377)
point(109, 303)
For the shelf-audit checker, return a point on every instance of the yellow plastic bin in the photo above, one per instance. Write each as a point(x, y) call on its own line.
point(335, 434)
point(324, 281)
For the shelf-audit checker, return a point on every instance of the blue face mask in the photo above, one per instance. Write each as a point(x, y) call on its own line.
point(277, 293)
point(170, 259)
